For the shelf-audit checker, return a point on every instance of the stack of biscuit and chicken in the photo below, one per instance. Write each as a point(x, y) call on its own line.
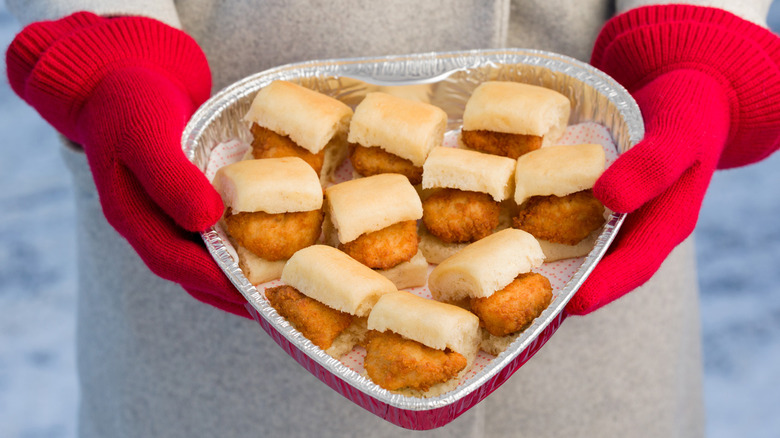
point(391, 134)
point(288, 120)
point(374, 220)
point(494, 279)
point(463, 193)
point(273, 208)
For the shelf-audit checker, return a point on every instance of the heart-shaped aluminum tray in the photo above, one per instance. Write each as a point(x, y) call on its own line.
point(445, 80)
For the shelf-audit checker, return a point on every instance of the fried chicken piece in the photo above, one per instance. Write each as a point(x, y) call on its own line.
point(269, 144)
point(514, 307)
point(500, 143)
point(566, 219)
point(455, 215)
point(369, 161)
point(385, 248)
point(394, 362)
point(275, 236)
point(318, 322)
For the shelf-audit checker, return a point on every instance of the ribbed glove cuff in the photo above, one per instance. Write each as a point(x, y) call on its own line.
point(55, 66)
point(644, 43)
point(30, 44)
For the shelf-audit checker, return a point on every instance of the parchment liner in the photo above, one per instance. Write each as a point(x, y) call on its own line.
point(445, 80)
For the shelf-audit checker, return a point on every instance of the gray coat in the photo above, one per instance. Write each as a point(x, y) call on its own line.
point(153, 362)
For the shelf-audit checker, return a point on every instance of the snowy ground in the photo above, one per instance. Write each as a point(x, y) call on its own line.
point(739, 260)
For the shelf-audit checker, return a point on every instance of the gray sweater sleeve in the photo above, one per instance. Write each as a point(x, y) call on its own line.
point(27, 11)
point(754, 10)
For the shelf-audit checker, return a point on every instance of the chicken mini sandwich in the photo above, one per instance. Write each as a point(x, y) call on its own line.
point(464, 193)
point(287, 119)
point(512, 118)
point(273, 208)
point(555, 201)
point(494, 279)
point(419, 347)
point(327, 296)
point(374, 221)
point(390, 134)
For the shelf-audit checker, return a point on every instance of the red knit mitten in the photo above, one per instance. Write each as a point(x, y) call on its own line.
point(124, 89)
point(708, 85)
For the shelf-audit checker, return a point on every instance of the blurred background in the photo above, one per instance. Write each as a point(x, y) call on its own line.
point(738, 238)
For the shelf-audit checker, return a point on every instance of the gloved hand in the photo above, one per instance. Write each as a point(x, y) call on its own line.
point(124, 88)
point(708, 85)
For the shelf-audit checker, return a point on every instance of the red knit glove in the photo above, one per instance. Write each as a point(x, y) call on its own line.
point(708, 85)
point(124, 89)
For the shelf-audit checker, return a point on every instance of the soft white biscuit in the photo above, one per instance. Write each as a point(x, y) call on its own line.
point(431, 323)
point(412, 273)
point(369, 204)
point(558, 170)
point(485, 266)
point(517, 108)
point(403, 127)
point(469, 170)
point(257, 269)
point(335, 279)
point(271, 185)
point(310, 119)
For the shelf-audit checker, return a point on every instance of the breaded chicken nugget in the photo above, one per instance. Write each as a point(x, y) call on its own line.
point(384, 248)
point(566, 219)
point(455, 215)
point(268, 144)
point(514, 307)
point(318, 322)
point(500, 143)
point(275, 236)
point(369, 161)
point(394, 362)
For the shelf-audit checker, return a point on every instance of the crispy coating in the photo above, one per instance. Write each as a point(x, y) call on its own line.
point(566, 219)
point(394, 362)
point(369, 161)
point(514, 307)
point(500, 143)
point(318, 322)
point(275, 236)
point(268, 144)
point(455, 215)
point(385, 248)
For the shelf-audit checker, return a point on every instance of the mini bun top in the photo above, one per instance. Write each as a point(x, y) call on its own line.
point(485, 266)
point(558, 170)
point(271, 185)
point(431, 323)
point(517, 108)
point(309, 118)
point(369, 204)
point(471, 171)
point(403, 127)
point(335, 279)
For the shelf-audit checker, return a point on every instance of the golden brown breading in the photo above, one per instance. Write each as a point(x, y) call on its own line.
point(455, 215)
point(514, 307)
point(385, 248)
point(269, 144)
point(369, 161)
point(394, 362)
point(318, 322)
point(275, 236)
point(566, 219)
point(500, 143)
